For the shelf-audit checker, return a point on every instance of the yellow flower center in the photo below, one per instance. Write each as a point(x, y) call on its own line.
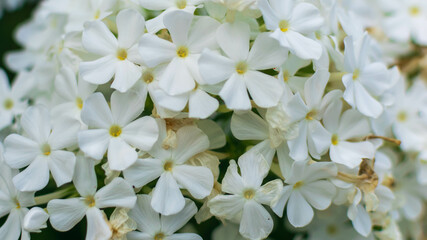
point(334, 139)
point(249, 194)
point(402, 116)
point(356, 74)
point(115, 130)
point(90, 201)
point(414, 11)
point(298, 184)
point(241, 67)
point(159, 236)
point(122, 54)
point(168, 166)
point(182, 52)
point(331, 230)
point(284, 25)
point(286, 76)
point(46, 149)
point(181, 4)
point(311, 115)
point(18, 205)
point(97, 14)
point(79, 102)
point(8, 104)
point(148, 77)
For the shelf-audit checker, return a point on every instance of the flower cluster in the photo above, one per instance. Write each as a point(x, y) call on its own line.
point(140, 106)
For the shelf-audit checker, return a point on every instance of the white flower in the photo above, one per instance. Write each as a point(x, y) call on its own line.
point(181, 55)
point(11, 103)
point(116, 129)
point(154, 226)
point(244, 204)
point(290, 21)
point(307, 188)
point(240, 68)
point(365, 80)
point(66, 213)
point(35, 219)
point(157, 23)
point(119, 57)
point(12, 202)
point(41, 150)
point(169, 166)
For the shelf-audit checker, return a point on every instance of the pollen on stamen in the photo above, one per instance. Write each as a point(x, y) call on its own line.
point(311, 115)
point(241, 67)
point(182, 52)
point(115, 130)
point(286, 76)
point(90, 201)
point(284, 25)
point(414, 11)
point(298, 184)
point(17, 203)
point(122, 54)
point(249, 194)
point(402, 116)
point(181, 4)
point(147, 77)
point(334, 139)
point(46, 150)
point(159, 236)
point(356, 74)
point(8, 104)
point(79, 102)
point(168, 166)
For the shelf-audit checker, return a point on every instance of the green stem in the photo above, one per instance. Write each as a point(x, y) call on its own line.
point(55, 195)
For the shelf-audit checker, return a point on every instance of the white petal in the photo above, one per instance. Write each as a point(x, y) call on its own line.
point(11, 229)
point(270, 18)
point(141, 133)
point(232, 181)
point(353, 125)
point(269, 192)
point(249, 126)
point(375, 78)
point(126, 107)
point(227, 206)
point(66, 84)
point(302, 46)
point(215, 68)
point(177, 78)
point(61, 165)
point(412, 207)
point(278, 204)
point(96, 113)
point(314, 88)
point(202, 34)
point(266, 53)
point(99, 71)
point(265, 90)
point(256, 222)
point(172, 223)
point(118, 193)
point(143, 171)
point(298, 146)
point(197, 180)
point(254, 168)
point(360, 220)
point(84, 176)
point(97, 38)
point(234, 93)
point(127, 73)
point(178, 23)
point(174, 103)
point(319, 139)
point(35, 219)
point(351, 153)
point(94, 142)
point(299, 211)
point(184, 236)
point(64, 133)
point(317, 170)
point(155, 50)
point(233, 38)
point(66, 213)
point(130, 27)
point(36, 123)
point(305, 18)
point(167, 198)
point(20, 151)
point(147, 220)
point(97, 227)
point(120, 154)
point(319, 194)
point(365, 103)
point(190, 141)
point(201, 104)
point(156, 5)
point(34, 177)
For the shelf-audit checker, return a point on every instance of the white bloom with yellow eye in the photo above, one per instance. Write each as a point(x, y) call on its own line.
point(40, 150)
point(11, 103)
point(169, 166)
point(118, 57)
point(154, 226)
point(308, 187)
point(240, 68)
point(117, 129)
point(291, 22)
point(189, 38)
point(66, 213)
point(246, 196)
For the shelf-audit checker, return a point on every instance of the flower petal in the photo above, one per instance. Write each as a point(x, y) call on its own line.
point(96, 113)
point(97, 38)
point(141, 133)
point(172, 223)
point(215, 68)
point(190, 141)
point(201, 104)
point(94, 142)
point(61, 165)
point(120, 154)
point(234, 93)
point(147, 220)
point(35, 177)
point(143, 171)
point(20, 151)
point(99, 71)
point(66, 213)
point(234, 38)
point(155, 50)
point(265, 90)
point(232, 181)
point(134, 106)
point(118, 193)
point(197, 180)
point(167, 198)
point(178, 23)
point(177, 78)
point(299, 211)
point(256, 221)
point(97, 226)
point(130, 27)
point(266, 53)
point(127, 73)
